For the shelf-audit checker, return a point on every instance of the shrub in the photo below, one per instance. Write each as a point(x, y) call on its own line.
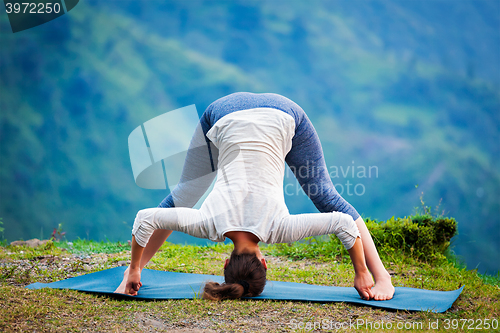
point(422, 236)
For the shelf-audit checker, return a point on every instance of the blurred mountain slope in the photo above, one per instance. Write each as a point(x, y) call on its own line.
point(408, 90)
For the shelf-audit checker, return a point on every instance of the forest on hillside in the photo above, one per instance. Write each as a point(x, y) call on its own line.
point(407, 90)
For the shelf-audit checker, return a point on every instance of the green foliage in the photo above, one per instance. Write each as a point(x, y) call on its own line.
point(493, 280)
point(58, 233)
point(1, 229)
point(422, 236)
point(424, 210)
point(30, 253)
point(327, 247)
point(83, 246)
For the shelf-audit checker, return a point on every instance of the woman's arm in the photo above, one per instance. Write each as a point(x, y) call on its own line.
point(363, 281)
point(155, 242)
point(134, 274)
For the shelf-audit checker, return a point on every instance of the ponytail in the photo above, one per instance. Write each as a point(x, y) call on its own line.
point(245, 275)
point(218, 292)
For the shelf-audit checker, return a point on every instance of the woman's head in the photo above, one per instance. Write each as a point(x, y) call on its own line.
point(242, 271)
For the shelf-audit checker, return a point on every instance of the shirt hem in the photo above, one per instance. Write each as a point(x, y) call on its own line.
point(241, 229)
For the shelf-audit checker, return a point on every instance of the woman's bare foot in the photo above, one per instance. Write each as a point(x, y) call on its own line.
point(383, 289)
point(121, 287)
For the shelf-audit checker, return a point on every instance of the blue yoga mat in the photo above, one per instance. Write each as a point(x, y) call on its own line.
point(171, 285)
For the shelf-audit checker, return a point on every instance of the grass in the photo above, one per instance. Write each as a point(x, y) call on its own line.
point(82, 246)
point(313, 261)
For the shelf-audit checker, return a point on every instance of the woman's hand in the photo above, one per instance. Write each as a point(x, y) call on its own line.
point(363, 282)
point(134, 273)
point(133, 282)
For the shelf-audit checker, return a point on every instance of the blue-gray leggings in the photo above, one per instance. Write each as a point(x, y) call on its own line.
point(305, 159)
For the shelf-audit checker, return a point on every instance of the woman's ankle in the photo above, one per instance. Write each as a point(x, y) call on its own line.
point(383, 276)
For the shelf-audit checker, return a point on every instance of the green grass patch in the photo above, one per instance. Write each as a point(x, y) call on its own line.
point(29, 253)
point(319, 260)
point(83, 246)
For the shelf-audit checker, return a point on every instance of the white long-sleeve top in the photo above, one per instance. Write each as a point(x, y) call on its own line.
point(248, 193)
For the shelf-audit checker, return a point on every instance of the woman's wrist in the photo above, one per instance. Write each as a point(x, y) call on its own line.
point(137, 251)
point(357, 257)
point(360, 268)
point(135, 268)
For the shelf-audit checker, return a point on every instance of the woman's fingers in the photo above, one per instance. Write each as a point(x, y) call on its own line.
point(133, 283)
point(363, 283)
point(135, 287)
point(370, 293)
point(132, 288)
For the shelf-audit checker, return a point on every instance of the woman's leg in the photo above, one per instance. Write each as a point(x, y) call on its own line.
point(307, 161)
point(383, 288)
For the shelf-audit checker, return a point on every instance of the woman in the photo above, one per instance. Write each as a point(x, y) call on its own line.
point(245, 139)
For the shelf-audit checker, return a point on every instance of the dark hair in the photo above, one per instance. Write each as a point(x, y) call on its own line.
point(243, 267)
